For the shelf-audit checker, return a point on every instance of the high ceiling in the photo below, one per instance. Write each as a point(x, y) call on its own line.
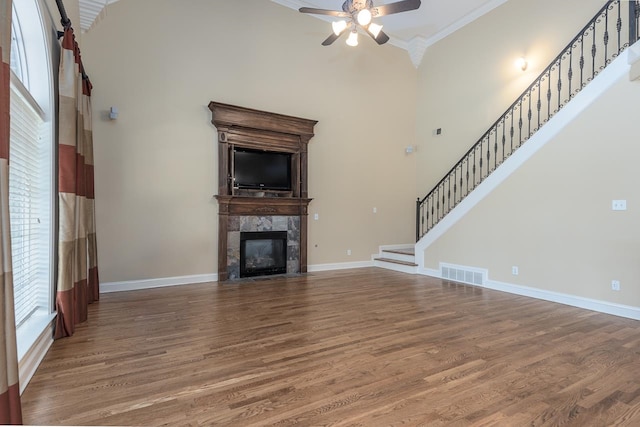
point(413, 31)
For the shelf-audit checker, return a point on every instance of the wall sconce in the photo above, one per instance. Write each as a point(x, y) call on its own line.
point(522, 63)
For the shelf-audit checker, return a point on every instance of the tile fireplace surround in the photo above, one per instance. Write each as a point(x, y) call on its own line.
point(244, 223)
point(249, 210)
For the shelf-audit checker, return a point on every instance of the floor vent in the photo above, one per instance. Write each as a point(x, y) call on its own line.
point(462, 275)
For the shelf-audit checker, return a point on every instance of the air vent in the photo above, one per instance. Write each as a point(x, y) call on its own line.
point(462, 274)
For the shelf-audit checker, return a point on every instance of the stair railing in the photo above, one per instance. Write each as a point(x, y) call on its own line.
point(595, 46)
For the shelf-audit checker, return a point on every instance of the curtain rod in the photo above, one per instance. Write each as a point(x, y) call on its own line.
point(66, 23)
point(64, 19)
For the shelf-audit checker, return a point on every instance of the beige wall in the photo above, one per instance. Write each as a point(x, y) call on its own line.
point(161, 62)
point(552, 218)
point(467, 80)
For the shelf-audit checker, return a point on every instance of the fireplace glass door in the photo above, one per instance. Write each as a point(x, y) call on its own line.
point(263, 253)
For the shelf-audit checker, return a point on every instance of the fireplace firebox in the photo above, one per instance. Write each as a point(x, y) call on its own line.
point(263, 253)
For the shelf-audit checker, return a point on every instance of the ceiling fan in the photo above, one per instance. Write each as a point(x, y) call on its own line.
point(359, 14)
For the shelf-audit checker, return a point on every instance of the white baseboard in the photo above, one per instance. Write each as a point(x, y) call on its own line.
point(605, 307)
point(133, 285)
point(339, 266)
point(566, 299)
point(429, 272)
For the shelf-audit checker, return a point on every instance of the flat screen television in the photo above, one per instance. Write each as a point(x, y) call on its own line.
point(264, 170)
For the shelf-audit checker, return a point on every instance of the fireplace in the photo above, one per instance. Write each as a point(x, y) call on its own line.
point(263, 253)
point(281, 208)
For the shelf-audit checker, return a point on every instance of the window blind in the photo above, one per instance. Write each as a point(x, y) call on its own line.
point(29, 204)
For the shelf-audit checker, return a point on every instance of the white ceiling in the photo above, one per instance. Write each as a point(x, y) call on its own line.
point(413, 31)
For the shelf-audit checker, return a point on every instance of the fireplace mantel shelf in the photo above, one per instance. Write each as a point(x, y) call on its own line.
point(244, 205)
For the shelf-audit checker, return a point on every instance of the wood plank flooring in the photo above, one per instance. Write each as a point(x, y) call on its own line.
point(365, 347)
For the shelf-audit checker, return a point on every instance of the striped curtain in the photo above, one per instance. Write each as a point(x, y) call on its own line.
point(10, 410)
point(77, 282)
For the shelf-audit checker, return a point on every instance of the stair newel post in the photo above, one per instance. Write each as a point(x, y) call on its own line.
point(418, 219)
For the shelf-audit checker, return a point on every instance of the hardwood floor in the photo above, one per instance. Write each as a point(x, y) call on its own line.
point(366, 347)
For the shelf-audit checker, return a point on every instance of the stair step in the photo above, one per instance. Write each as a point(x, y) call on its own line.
point(396, 261)
point(402, 251)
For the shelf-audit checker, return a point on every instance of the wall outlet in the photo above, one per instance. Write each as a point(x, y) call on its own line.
point(619, 205)
point(514, 270)
point(615, 285)
point(316, 217)
point(348, 251)
point(375, 210)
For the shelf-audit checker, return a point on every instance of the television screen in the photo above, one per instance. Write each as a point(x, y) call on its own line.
point(264, 170)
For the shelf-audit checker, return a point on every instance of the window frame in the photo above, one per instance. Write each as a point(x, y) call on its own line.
point(40, 47)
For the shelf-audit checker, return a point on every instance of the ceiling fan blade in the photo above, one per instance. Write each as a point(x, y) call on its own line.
point(333, 37)
point(397, 7)
point(382, 37)
point(313, 10)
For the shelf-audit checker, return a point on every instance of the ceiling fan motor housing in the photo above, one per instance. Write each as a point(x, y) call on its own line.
point(353, 6)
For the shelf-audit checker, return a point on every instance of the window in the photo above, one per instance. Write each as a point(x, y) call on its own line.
point(31, 183)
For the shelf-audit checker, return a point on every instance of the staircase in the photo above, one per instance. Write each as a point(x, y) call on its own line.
point(399, 258)
point(611, 31)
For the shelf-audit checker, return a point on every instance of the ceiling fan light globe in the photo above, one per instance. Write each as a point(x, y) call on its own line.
point(352, 40)
point(364, 17)
point(338, 27)
point(375, 29)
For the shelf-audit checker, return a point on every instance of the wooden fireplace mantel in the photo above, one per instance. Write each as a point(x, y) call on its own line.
point(230, 205)
point(240, 127)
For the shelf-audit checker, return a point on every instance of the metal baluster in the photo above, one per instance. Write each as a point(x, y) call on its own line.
point(467, 192)
point(539, 104)
point(559, 83)
point(549, 95)
point(449, 194)
point(619, 26)
point(593, 53)
point(495, 149)
point(529, 115)
point(582, 61)
point(511, 132)
point(520, 123)
point(504, 136)
point(481, 159)
point(606, 36)
point(570, 70)
point(488, 154)
point(433, 213)
point(461, 181)
point(474, 168)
